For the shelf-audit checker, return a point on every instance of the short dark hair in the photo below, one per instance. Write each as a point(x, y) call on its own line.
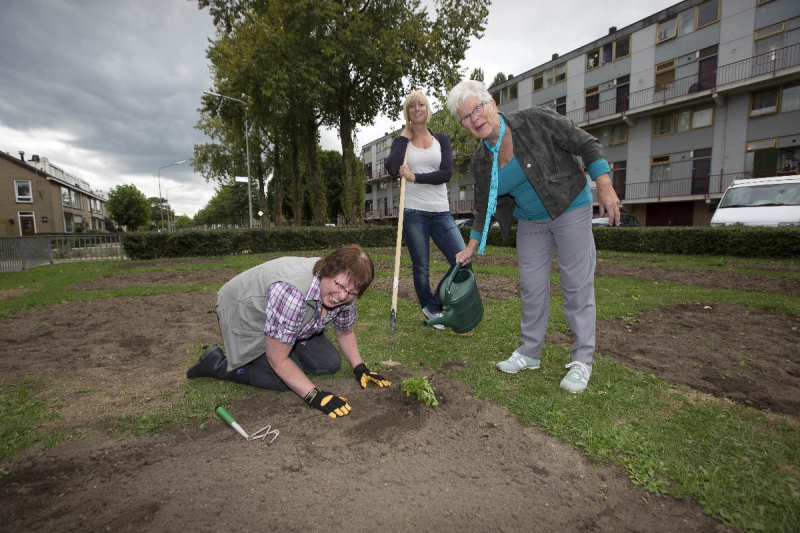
point(350, 258)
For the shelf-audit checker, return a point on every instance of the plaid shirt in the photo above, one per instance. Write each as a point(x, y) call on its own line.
point(286, 308)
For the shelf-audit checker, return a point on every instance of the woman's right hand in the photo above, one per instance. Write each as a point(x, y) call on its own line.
point(465, 256)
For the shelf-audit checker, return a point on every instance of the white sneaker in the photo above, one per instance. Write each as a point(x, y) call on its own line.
point(517, 362)
point(430, 315)
point(577, 378)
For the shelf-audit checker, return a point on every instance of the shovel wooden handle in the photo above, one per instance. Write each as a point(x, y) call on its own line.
point(398, 246)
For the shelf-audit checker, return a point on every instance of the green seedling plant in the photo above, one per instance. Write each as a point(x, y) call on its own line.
point(422, 388)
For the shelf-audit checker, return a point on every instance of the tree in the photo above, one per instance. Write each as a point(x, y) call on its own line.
point(129, 207)
point(498, 79)
point(227, 207)
point(339, 63)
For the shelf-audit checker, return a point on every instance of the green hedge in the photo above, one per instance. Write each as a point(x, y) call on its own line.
point(740, 241)
point(233, 242)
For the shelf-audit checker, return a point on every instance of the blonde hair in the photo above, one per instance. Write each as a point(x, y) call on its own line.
point(413, 98)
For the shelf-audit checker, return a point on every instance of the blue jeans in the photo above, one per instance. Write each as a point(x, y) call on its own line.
point(419, 227)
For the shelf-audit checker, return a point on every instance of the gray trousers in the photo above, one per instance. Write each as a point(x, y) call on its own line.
point(537, 242)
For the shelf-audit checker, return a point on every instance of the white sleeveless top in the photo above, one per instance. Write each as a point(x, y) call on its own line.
point(424, 196)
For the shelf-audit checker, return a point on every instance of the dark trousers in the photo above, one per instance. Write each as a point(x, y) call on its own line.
point(315, 356)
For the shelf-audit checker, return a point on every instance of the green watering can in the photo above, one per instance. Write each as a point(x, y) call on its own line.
point(462, 308)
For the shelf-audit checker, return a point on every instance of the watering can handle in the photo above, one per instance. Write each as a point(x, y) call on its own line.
point(452, 276)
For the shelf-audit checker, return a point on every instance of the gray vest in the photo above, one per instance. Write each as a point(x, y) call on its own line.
point(242, 305)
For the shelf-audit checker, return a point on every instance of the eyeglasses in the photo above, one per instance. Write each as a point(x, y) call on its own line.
point(477, 111)
point(342, 288)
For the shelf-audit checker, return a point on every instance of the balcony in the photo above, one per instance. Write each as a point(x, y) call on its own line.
point(699, 188)
point(727, 77)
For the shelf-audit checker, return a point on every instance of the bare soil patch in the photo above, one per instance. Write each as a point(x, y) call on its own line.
point(392, 465)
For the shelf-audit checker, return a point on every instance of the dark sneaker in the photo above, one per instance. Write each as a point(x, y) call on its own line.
point(212, 364)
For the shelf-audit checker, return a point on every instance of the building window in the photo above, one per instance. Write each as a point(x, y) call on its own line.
point(611, 135)
point(761, 144)
point(550, 77)
point(592, 98)
point(508, 94)
point(665, 75)
point(790, 97)
point(702, 117)
point(667, 29)
point(707, 13)
point(560, 72)
point(685, 22)
point(619, 174)
point(770, 31)
point(69, 225)
point(683, 120)
point(660, 168)
point(688, 21)
point(764, 102)
point(662, 124)
point(65, 197)
point(619, 134)
point(23, 190)
point(622, 47)
point(593, 59)
point(561, 105)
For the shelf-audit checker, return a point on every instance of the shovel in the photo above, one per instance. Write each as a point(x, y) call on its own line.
point(396, 278)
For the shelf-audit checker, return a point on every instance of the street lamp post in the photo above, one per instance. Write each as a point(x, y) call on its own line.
point(160, 203)
point(247, 149)
point(171, 225)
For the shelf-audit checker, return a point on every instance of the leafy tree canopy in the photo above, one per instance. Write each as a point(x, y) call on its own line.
point(129, 207)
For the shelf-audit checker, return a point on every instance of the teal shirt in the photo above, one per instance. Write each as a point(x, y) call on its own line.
point(513, 181)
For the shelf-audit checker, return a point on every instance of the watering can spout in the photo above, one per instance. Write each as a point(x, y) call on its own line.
point(462, 308)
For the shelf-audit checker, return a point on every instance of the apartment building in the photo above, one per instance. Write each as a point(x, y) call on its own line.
point(684, 102)
point(41, 198)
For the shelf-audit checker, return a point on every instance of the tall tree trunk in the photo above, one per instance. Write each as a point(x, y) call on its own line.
point(297, 198)
point(318, 191)
point(278, 179)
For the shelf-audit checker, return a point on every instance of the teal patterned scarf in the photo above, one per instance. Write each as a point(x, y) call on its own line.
point(492, 206)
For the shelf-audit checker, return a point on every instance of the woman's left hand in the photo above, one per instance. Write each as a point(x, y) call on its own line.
point(406, 173)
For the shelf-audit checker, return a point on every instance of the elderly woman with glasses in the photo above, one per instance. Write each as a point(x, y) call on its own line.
point(425, 160)
point(273, 317)
point(527, 167)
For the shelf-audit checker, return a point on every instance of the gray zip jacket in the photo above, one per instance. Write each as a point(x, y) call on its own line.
point(546, 145)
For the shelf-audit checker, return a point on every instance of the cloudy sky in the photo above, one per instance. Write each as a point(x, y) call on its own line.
point(108, 90)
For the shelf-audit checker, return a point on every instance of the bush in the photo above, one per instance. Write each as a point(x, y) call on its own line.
point(742, 241)
point(234, 242)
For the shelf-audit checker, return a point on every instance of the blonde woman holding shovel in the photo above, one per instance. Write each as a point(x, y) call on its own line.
point(427, 168)
point(273, 317)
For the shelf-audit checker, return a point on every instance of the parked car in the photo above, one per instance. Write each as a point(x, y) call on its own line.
point(760, 202)
point(625, 219)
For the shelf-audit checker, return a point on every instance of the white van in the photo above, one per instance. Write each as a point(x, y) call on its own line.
point(760, 202)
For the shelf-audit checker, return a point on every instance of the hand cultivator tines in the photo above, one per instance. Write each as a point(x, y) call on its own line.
point(261, 434)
